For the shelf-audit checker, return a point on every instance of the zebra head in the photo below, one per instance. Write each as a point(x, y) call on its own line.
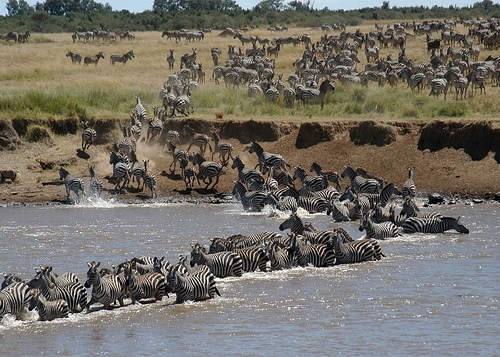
point(456, 225)
point(91, 273)
point(62, 173)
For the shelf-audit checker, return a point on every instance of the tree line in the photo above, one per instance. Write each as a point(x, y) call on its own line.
point(83, 15)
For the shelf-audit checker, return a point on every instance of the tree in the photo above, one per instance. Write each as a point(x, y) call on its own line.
point(270, 5)
point(385, 5)
point(21, 8)
point(300, 5)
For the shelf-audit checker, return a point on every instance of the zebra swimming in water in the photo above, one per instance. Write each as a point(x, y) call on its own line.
point(221, 264)
point(14, 299)
point(49, 310)
point(433, 225)
point(105, 289)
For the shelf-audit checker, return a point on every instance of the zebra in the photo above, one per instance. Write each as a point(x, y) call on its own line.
point(359, 183)
point(121, 170)
point(197, 139)
point(252, 258)
point(149, 180)
point(72, 184)
point(306, 94)
point(105, 289)
point(137, 171)
point(155, 125)
point(75, 57)
point(74, 294)
point(95, 184)
point(222, 264)
point(367, 201)
point(409, 188)
point(433, 225)
point(416, 80)
point(224, 149)
point(313, 204)
point(310, 183)
point(123, 58)
point(177, 155)
point(170, 59)
point(251, 200)
point(289, 96)
point(297, 226)
point(189, 173)
point(142, 265)
point(59, 280)
point(410, 209)
point(49, 310)
point(338, 211)
point(196, 287)
point(93, 59)
point(258, 238)
point(267, 159)
point(332, 176)
point(439, 85)
point(477, 81)
point(283, 204)
point(317, 255)
point(207, 170)
point(461, 86)
point(356, 251)
point(139, 111)
point(88, 136)
point(14, 299)
point(145, 286)
point(183, 103)
point(9, 279)
point(246, 176)
point(377, 230)
point(280, 258)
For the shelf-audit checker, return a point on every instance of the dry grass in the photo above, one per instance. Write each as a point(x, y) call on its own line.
point(107, 91)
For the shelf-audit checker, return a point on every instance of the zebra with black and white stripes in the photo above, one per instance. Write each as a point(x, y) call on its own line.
point(224, 149)
point(246, 176)
point(155, 125)
point(144, 286)
point(410, 209)
point(252, 258)
point(183, 103)
point(310, 183)
point(356, 251)
point(105, 289)
point(297, 226)
point(368, 201)
point(14, 299)
point(409, 188)
point(88, 136)
point(49, 310)
point(417, 81)
point(433, 225)
point(280, 257)
point(439, 85)
point(95, 184)
point(283, 204)
point(197, 287)
point(266, 159)
point(338, 211)
point(61, 280)
point(121, 170)
point(250, 200)
point(207, 170)
point(197, 139)
point(177, 155)
point(139, 111)
point(221, 264)
point(10, 279)
point(149, 179)
point(72, 184)
point(360, 183)
point(305, 94)
point(313, 204)
point(74, 294)
point(189, 174)
point(332, 176)
point(377, 230)
point(317, 255)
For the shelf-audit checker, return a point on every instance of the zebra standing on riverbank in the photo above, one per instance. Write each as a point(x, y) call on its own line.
point(266, 159)
point(224, 149)
point(246, 176)
point(72, 184)
point(88, 136)
point(149, 179)
point(207, 170)
point(409, 188)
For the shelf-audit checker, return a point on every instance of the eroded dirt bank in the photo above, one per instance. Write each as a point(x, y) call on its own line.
point(450, 157)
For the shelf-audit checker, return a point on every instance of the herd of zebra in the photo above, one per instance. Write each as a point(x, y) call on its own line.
point(77, 58)
point(150, 279)
point(21, 37)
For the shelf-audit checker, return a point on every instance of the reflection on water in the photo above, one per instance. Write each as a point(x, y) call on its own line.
point(432, 294)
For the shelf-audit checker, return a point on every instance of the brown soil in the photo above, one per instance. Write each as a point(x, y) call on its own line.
point(450, 157)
